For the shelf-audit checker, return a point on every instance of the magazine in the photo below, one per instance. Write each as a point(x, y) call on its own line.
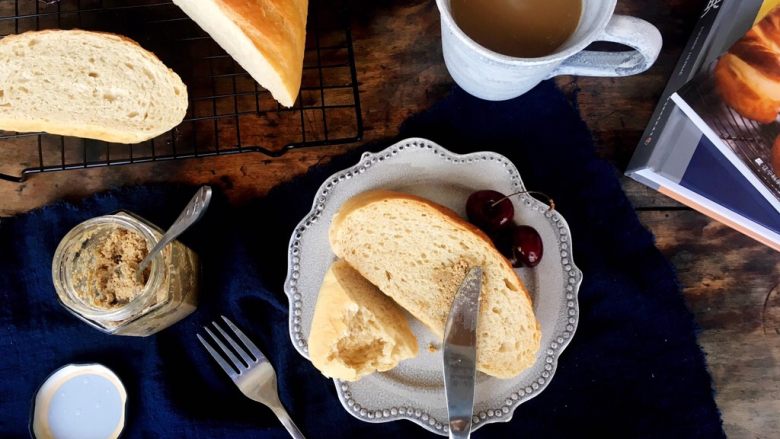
point(676, 159)
point(735, 102)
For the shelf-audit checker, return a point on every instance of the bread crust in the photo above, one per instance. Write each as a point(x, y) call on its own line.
point(739, 95)
point(72, 130)
point(447, 213)
point(81, 129)
point(366, 198)
point(450, 216)
point(266, 37)
point(753, 59)
point(329, 326)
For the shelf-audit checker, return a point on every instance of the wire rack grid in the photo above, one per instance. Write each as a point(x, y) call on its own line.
point(228, 112)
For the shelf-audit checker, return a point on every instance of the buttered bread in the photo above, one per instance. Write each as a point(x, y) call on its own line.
point(418, 252)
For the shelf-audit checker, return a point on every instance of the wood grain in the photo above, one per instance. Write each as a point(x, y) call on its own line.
point(726, 278)
point(730, 283)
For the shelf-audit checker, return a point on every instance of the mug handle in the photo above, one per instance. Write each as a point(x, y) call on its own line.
point(636, 33)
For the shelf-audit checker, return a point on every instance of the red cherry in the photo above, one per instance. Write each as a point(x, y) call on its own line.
point(527, 246)
point(503, 242)
point(491, 211)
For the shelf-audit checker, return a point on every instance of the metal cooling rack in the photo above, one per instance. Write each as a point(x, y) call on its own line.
point(228, 113)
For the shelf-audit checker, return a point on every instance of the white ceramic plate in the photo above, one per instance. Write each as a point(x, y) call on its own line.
point(415, 389)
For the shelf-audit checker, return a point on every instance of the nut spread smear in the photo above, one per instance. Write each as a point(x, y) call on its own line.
point(108, 278)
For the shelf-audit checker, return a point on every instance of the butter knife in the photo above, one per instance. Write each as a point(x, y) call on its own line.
point(460, 354)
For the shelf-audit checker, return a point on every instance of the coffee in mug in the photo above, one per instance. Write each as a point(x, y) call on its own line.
point(518, 28)
point(489, 74)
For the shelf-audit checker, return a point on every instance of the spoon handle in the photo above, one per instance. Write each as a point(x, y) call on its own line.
point(192, 213)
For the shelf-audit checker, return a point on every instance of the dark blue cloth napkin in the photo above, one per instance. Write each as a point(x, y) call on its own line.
point(634, 368)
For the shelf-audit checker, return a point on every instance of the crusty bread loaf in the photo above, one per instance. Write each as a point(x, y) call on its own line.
point(357, 330)
point(266, 37)
point(747, 77)
point(87, 84)
point(418, 252)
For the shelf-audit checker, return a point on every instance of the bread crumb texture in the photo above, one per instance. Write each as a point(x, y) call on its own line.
point(87, 84)
point(418, 253)
point(107, 276)
point(357, 330)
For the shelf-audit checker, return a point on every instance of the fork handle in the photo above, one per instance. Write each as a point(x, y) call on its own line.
point(288, 423)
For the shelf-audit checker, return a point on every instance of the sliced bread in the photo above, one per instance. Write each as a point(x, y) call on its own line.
point(418, 252)
point(87, 84)
point(357, 330)
point(266, 37)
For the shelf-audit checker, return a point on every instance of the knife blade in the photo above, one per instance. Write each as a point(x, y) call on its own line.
point(460, 354)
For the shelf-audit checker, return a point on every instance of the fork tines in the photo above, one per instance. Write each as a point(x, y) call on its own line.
point(237, 367)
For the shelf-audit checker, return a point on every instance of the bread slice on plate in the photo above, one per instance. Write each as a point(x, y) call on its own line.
point(357, 330)
point(266, 37)
point(87, 84)
point(418, 252)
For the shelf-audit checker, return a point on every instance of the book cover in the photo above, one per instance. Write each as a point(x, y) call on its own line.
point(721, 23)
point(697, 174)
point(735, 102)
point(711, 175)
point(677, 160)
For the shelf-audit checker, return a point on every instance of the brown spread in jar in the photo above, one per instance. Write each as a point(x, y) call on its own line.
point(109, 276)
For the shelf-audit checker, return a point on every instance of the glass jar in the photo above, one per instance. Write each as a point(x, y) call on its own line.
point(168, 295)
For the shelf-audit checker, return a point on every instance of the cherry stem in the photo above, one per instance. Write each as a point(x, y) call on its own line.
point(550, 201)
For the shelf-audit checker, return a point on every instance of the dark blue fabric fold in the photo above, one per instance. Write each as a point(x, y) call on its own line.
point(633, 369)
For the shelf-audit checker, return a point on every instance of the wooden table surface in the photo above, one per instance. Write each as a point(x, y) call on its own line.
point(729, 281)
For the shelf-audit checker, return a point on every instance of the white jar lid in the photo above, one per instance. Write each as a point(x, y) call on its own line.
point(80, 401)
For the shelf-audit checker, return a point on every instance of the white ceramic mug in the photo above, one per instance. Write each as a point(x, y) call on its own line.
point(496, 77)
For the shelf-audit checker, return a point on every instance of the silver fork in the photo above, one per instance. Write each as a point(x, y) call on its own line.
point(255, 377)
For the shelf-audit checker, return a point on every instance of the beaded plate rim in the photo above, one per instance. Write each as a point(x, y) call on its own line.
point(572, 282)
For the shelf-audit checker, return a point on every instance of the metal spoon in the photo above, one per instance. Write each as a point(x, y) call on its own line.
point(192, 213)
